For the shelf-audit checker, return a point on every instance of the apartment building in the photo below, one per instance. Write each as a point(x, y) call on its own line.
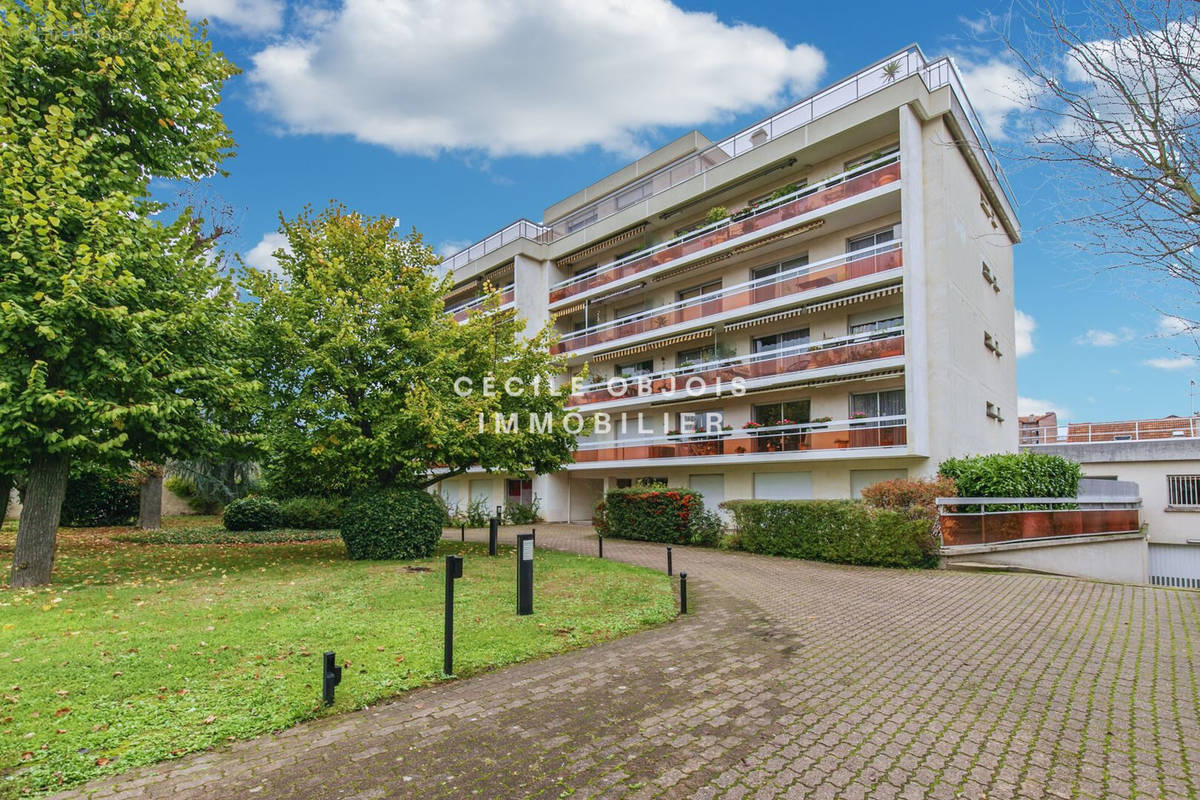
point(818, 302)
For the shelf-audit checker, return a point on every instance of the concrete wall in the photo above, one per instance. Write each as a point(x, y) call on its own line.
point(1109, 557)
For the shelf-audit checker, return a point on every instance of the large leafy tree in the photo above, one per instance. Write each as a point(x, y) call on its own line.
point(360, 360)
point(116, 332)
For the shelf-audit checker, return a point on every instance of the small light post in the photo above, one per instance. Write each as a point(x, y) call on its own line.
point(454, 570)
point(331, 676)
point(524, 574)
point(463, 531)
point(600, 541)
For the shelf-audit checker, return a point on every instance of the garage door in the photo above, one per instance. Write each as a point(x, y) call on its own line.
point(783, 486)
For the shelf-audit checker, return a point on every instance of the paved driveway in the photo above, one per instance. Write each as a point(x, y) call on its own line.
point(789, 679)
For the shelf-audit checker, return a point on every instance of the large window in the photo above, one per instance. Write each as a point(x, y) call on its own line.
point(696, 355)
point(775, 413)
point(782, 266)
point(711, 421)
point(877, 404)
point(696, 291)
point(634, 368)
point(871, 239)
point(777, 341)
point(869, 157)
point(879, 320)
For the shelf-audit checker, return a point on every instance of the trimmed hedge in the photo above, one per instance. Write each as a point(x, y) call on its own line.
point(211, 534)
point(252, 513)
point(1013, 475)
point(392, 523)
point(657, 514)
point(311, 513)
point(100, 497)
point(839, 531)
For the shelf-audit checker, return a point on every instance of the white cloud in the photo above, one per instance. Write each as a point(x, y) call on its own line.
point(529, 77)
point(1024, 333)
point(449, 247)
point(1172, 326)
point(1100, 338)
point(252, 17)
point(999, 91)
point(1178, 362)
point(262, 255)
point(1032, 405)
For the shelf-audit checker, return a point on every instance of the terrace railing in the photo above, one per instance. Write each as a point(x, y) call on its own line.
point(807, 199)
point(1091, 432)
point(826, 272)
point(462, 311)
point(797, 358)
point(887, 431)
point(1011, 519)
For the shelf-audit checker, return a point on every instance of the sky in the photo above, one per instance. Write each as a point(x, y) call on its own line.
point(460, 116)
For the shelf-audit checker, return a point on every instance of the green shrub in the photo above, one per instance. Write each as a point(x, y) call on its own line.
point(478, 513)
point(311, 513)
point(914, 497)
point(523, 513)
point(1013, 475)
point(211, 534)
point(97, 497)
point(391, 523)
point(839, 531)
point(657, 514)
point(253, 513)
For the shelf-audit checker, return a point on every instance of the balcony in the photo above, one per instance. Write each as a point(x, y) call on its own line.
point(845, 185)
point(828, 272)
point(759, 443)
point(461, 312)
point(1092, 432)
point(859, 348)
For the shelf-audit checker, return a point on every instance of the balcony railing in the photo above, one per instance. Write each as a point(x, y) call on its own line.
point(1032, 518)
point(801, 437)
point(847, 184)
point(462, 311)
point(798, 358)
point(1090, 432)
point(826, 272)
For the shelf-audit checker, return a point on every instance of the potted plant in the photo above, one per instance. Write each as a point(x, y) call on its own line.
point(715, 215)
point(891, 71)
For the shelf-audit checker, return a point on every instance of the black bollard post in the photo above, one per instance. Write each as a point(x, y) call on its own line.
point(524, 574)
point(454, 569)
point(669, 572)
point(683, 593)
point(463, 531)
point(493, 535)
point(331, 676)
point(600, 541)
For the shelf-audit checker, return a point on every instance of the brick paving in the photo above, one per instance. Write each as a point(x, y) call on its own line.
point(789, 679)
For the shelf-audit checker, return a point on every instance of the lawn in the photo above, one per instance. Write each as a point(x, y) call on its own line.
point(143, 652)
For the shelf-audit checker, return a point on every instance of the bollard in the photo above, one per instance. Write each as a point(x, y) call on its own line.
point(464, 531)
point(493, 535)
point(669, 572)
point(524, 574)
point(600, 541)
point(683, 593)
point(454, 569)
point(331, 677)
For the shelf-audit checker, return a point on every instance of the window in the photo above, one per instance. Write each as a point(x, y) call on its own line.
point(879, 320)
point(1183, 491)
point(874, 155)
point(633, 369)
point(697, 355)
point(696, 291)
point(624, 483)
point(653, 481)
point(889, 403)
point(993, 412)
point(775, 413)
point(777, 341)
point(581, 271)
point(628, 311)
point(710, 421)
point(782, 266)
point(871, 239)
point(990, 277)
point(778, 192)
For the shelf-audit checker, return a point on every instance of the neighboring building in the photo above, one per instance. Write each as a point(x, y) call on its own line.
point(1034, 427)
point(861, 287)
point(1163, 457)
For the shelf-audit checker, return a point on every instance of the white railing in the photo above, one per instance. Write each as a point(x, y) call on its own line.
point(762, 208)
point(1183, 491)
point(833, 426)
point(478, 301)
point(753, 358)
point(865, 82)
point(1096, 432)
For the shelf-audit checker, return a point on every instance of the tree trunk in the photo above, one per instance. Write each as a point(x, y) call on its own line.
point(33, 558)
point(6, 484)
point(150, 508)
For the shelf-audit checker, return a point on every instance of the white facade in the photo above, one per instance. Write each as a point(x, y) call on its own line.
point(860, 287)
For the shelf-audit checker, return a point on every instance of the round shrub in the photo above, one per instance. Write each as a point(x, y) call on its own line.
point(311, 513)
point(391, 523)
point(252, 513)
point(100, 497)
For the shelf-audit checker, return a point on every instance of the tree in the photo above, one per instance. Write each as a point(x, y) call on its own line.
point(359, 362)
point(1114, 95)
point(115, 331)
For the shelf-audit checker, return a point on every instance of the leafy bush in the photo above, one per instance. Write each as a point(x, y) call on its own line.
point(914, 497)
point(523, 513)
point(311, 513)
point(1013, 475)
point(100, 497)
point(253, 513)
point(211, 534)
point(657, 514)
point(477, 514)
point(839, 531)
point(392, 523)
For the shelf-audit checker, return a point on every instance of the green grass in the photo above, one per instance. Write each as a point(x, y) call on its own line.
point(141, 652)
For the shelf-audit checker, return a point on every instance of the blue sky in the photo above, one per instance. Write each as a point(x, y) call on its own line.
point(458, 116)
